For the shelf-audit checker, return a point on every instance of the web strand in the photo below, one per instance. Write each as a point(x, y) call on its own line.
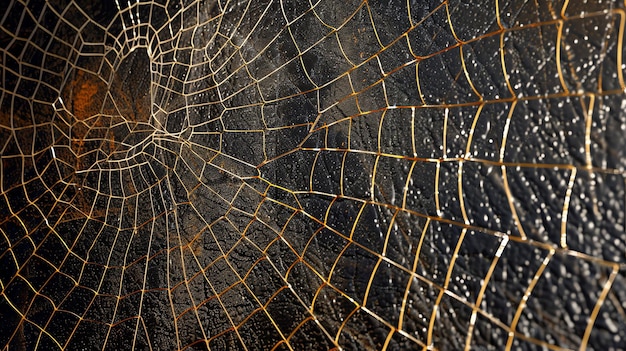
point(312, 175)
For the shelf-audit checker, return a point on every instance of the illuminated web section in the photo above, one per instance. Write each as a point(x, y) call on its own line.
point(294, 175)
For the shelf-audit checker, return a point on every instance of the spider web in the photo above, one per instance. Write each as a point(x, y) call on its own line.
point(295, 175)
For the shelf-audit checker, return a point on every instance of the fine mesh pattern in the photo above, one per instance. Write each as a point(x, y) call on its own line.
point(296, 175)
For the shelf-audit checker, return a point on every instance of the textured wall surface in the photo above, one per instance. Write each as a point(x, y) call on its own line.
point(312, 175)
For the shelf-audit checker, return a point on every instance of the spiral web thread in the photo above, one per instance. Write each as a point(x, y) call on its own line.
point(312, 175)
